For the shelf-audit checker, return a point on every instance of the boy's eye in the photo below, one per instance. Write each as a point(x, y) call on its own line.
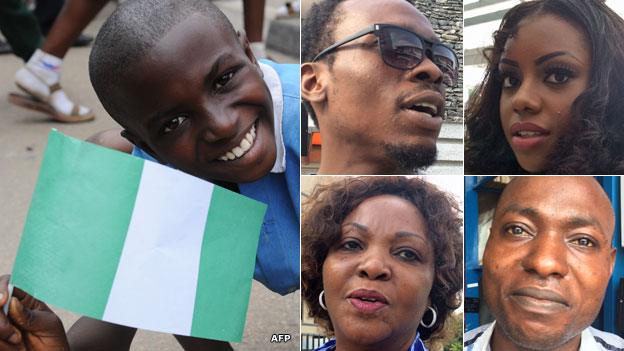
point(223, 80)
point(172, 124)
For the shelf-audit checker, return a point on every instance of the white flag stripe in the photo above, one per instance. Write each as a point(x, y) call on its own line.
point(156, 279)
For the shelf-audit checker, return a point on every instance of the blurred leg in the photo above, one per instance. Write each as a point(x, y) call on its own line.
point(46, 12)
point(74, 17)
point(89, 334)
point(195, 344)
point(254, 19)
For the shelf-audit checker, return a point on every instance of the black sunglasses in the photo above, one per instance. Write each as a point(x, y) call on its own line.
point(404, 50)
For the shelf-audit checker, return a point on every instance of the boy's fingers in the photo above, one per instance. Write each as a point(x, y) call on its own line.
point(19, 293)
point(19, 315)
point(8, 333)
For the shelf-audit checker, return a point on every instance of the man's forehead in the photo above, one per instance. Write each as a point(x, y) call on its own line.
point(558, 195)
point(357, 14)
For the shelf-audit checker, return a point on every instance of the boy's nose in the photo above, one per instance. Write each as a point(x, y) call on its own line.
point(219, 125)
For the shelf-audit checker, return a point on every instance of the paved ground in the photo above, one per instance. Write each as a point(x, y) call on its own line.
point(22, 140)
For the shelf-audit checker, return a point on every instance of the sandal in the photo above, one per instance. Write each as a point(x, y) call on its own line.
point(33, 102)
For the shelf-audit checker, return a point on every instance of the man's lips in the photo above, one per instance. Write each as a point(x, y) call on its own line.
point(367, 301)
point(525, 135)
point(429, 102)
point(539, 300)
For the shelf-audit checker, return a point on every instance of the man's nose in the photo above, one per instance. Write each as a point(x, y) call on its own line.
point(547, 256)
point(374, 265)
point(426, 71)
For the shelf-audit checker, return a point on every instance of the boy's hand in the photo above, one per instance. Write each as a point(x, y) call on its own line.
point(31, 325)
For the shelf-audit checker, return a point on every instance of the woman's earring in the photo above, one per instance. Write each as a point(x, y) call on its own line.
point(433, 319)
point(321, 300)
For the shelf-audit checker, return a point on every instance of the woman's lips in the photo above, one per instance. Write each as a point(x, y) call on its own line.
point(367, 306)
point(367, 301)
point(525, 136)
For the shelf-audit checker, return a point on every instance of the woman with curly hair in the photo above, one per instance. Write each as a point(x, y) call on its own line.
point(552, 100)
point(381, 262)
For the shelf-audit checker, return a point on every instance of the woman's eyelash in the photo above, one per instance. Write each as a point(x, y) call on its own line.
point(558, 74)
point(507, 79)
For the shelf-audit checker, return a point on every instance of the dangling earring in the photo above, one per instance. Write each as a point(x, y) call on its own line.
point(433, 319)
point(321, 300)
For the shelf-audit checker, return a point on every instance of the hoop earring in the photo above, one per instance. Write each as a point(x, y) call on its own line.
point(433, 319)
point(321, 300)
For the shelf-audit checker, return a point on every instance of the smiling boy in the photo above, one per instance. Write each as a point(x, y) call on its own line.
point(189, 93)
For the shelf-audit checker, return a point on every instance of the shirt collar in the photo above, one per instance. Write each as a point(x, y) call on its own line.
point(483, 343)
point(272, 80)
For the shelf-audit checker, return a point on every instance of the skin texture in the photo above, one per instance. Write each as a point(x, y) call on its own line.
point(206, 96)
point(549, 234)
point(542, 93)
point(384, 248)
point(358, 99)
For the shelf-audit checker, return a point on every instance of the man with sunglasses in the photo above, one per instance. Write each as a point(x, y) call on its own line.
point(373, 80)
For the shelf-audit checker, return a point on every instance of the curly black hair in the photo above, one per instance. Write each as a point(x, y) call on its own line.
point(329, 205)
point(594, 143)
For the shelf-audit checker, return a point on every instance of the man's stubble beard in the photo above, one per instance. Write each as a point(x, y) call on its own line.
point(411, 158)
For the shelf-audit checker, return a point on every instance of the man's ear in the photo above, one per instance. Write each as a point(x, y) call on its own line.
point(242, 38)
point(314, 82)
point(134, 139)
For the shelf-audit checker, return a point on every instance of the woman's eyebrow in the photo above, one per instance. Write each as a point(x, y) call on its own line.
point(404, 234)
point(509, 62)
point(360, 227)
point(552, 55)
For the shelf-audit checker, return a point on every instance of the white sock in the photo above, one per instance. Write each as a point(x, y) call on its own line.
point(42, 71)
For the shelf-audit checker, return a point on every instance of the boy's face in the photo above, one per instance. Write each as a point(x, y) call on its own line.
point(198, 101)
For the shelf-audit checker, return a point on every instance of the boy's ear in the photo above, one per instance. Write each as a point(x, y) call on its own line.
point(242, 38)
point(314, 80)
point(134, 139)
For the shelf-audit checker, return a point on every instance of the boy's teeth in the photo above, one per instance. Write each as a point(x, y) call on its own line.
point(241, 149)
point(245, 144)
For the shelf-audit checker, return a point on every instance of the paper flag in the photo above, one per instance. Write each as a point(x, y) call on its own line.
point(132, 242)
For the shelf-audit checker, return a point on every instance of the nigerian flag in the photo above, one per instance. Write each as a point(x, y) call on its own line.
point(132, 242)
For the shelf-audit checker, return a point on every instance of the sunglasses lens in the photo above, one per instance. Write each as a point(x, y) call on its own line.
point(446, 60)
point(405, 50)
point(400, 49)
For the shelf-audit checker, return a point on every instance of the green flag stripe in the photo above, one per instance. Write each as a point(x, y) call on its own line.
point(225, 271)
point(97, 202)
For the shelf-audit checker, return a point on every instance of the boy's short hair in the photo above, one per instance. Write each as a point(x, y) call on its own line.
point(130, 33)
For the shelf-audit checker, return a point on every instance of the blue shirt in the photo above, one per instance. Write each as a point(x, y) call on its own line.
point(277, 258)
point(417, 345)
